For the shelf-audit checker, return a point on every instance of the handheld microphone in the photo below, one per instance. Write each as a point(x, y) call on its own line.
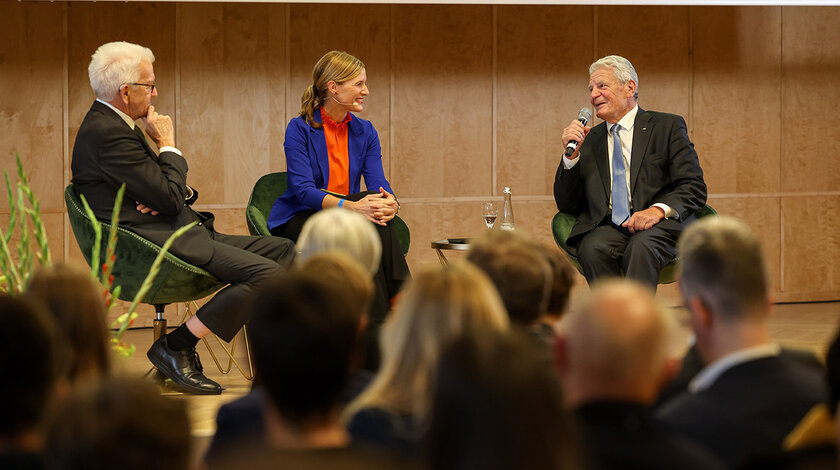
point(583, 116)
point(354, 104)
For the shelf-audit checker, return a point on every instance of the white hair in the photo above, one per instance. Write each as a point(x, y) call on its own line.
point(621, 68)
point(343, 230)
point(115, 64)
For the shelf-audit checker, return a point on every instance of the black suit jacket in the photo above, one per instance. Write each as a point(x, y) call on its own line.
point(108, 153)
point(663, 168)
point(622, 435)
point(749, 410)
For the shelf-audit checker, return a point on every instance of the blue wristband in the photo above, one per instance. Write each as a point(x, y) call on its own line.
point(340, 202)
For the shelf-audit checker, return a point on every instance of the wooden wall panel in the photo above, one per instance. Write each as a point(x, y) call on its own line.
point(762, 214)
point(442, 100)
point(736, 114)
point(542, 81)
point(31, 104)
point(89, 25)
point(226, 97)
point(656, 40)
point(361, 30)
point(810, 98)
point(811, 248)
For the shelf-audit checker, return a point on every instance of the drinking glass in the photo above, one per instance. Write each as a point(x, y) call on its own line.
point(489, 212)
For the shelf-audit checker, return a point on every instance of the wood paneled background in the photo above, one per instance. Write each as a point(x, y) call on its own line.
point(466, 99)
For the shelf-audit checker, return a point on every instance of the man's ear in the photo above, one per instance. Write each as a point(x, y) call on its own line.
point(702, 313)
point(124, 93)
point(631, 88)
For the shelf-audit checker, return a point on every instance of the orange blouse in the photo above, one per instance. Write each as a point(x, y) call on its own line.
point(339, 157)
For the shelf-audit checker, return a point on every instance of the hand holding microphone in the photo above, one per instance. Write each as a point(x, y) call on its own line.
point(576, 132)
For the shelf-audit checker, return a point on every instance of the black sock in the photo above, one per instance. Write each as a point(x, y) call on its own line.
point(181, 339)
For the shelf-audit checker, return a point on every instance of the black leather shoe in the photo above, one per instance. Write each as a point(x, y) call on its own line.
point(183, 368)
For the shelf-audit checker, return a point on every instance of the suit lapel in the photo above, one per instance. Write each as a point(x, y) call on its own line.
point(599, 151)
point(642, 129)
point(319, 145)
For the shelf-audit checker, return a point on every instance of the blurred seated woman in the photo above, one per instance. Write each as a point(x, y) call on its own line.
point(440, 304)
point(496, 406)
point(328, 150)
point(78, 307)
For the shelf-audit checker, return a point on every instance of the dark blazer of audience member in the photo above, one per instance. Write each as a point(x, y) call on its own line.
point(613, 357)
point(30, 351)
point(304, 336)
point(749, 397)
point(78, 307)
point(240, 422)
point(118, 423)
point(440, 304)
point(497, 407)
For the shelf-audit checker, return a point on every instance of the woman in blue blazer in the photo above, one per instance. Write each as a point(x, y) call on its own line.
point(328, 151)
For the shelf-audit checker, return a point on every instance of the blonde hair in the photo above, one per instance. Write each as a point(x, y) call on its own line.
point(342, 230)
point(336, 66)
point(439, 305)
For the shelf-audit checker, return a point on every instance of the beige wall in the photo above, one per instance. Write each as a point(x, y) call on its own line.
point(467, 100)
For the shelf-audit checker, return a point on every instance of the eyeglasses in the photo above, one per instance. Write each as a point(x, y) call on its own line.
point(150, 85)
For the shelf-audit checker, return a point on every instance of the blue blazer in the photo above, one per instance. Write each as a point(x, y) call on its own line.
point(308, 167)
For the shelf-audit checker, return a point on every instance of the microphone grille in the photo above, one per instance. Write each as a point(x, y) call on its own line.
point(585, 114)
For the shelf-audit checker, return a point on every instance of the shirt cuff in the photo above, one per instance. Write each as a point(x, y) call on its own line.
point(170, 149)
point(569, 163)
point(669, 213)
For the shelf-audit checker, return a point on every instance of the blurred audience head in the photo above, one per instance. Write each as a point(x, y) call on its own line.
point(76, 303)
point(30, 351)
point(439, 304)
point(615, 345)
point(563, 279)
point(304, 329)
point(118, 423)
point(338, 229)
point(496, 406)
point(722, 266)
point(519, 271)
point(724, 286)
point(340, 269)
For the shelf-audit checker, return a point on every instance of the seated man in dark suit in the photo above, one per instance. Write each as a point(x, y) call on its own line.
point(613, 358)
point(111, 150)
point(634, 181)
point(305, 330)
point(749, 396)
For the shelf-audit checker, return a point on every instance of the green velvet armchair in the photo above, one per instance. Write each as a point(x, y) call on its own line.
point(561, 227)
point(271, 186)
point(177, 281)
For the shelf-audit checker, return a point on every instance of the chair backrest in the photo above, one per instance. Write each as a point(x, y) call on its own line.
point(271, 186)
point(177, 281)
point(267, 189)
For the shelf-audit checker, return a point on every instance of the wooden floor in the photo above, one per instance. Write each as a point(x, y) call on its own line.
point(804, 325)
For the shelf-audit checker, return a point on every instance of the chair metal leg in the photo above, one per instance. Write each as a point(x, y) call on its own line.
point(232, 361)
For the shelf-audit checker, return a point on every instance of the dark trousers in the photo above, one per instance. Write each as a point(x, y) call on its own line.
point(612, 251)
point(243, 261)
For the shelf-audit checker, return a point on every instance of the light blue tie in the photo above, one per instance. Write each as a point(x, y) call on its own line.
point(620, 202)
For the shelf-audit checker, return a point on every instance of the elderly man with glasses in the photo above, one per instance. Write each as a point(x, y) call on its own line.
point(110, 150)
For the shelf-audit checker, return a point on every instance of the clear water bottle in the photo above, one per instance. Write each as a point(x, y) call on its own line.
point(507, 212)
